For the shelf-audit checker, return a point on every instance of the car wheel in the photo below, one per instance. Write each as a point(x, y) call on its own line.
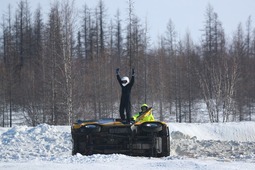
point(151, 127)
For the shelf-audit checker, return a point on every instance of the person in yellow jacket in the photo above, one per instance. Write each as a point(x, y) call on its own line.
point(144, 115)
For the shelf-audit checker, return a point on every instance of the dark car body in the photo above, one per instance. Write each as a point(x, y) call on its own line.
point(108, 136)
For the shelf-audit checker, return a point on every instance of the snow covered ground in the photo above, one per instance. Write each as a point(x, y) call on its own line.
point(193, 147)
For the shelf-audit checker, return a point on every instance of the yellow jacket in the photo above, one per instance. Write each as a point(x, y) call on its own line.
point(144, 117)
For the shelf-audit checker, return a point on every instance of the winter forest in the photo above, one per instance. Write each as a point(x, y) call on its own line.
point(58, 68)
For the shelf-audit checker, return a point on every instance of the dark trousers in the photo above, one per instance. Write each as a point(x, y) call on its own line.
point(125, 105)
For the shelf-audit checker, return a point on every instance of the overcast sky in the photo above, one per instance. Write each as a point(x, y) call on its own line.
point(186, 15)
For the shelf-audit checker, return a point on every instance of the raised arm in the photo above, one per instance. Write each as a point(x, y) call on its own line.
point(118, 76)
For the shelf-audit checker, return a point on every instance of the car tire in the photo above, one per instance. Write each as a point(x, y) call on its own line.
point(151, 127)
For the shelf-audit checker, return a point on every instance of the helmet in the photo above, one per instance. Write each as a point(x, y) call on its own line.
point(124, 81)
point(144, 107)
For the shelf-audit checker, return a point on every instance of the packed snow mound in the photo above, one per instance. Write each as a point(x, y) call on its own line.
point(193, 146)
point(225, 141)
point(231, 131)
point(42, 141)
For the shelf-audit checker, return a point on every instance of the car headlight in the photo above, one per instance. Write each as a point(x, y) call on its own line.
point(152, 124)
point(90, 126)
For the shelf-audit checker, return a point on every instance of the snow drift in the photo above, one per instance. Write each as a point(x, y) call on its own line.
point(225, 141)
point(231, 131)
point(193, 146)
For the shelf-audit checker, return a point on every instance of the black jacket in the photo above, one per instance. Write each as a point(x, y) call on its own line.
point(126, 90)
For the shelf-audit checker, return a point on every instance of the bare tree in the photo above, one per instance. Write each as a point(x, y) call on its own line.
point(8, 65)
point(118, 39)
point(238, 51)
point(190, 80)
point(249, 68)
point(68, 16)
point(35, 99)
point(171, 68)
point(55, 65)
point(210, 76)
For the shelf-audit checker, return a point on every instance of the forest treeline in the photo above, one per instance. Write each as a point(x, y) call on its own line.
point(62, 68)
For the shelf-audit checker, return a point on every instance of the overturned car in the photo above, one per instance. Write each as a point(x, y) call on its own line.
point(107, 136)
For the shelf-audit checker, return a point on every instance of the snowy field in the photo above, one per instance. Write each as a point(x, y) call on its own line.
point(193, 147)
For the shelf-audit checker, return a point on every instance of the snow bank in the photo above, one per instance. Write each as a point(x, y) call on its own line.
point(193, 146)
point(43, 141)
point(241, 131)
point(224, 141)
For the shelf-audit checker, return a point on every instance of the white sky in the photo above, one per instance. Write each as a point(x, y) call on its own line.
point(186, 15)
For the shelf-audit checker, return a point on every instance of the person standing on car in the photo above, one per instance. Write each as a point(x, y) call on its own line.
point(125, 101)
